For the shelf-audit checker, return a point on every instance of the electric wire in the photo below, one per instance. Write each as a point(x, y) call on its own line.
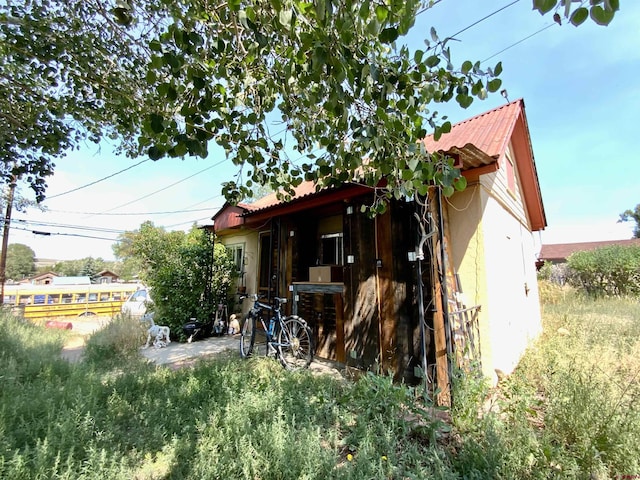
point(97, 181)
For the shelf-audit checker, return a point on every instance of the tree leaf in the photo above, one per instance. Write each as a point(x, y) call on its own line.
point(388, 35)
point(494, 85)
point(601, 16)
point(381, 13)
point(579, 16)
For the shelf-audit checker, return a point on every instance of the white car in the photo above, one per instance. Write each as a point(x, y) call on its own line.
point(136, 304)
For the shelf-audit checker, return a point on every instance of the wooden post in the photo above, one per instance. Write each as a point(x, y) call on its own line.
point(443, 380)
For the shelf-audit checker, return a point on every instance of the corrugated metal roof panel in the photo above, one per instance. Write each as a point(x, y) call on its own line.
point(481, 139)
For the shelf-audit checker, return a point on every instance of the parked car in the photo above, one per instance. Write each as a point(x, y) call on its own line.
point(136, 305)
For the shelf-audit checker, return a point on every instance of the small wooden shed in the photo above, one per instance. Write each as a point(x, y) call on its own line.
point(389, 294)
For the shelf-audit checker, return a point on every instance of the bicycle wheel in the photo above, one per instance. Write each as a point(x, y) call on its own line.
point(295, 344)
point(247, 336)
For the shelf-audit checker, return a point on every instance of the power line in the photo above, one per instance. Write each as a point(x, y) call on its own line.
point(97, 181)
point(68, 226)
point(484, 18)
point(36, 232)
point(519, 41)
point(134, 214)
point(165, 188)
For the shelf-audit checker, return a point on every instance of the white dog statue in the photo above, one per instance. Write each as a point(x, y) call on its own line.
point(160, 334)
point(234, 325)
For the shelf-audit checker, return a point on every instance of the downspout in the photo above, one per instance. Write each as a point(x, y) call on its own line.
point(443, 289)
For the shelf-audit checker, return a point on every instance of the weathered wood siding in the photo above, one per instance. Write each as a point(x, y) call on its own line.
point(361, 326)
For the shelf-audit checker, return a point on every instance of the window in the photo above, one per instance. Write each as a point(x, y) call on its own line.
point(236, 253)
point(331, 249)
point(81, 297)
point(39, 299)
point(93, 297)
point(24, 299)
point(104, 297)
point(67, 297)
point(53, 298)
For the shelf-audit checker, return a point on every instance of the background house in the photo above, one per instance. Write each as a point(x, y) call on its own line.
point(559, 252)
point(361, 284)
point(105, 276)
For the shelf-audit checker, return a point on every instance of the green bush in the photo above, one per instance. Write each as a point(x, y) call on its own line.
point(187, 273)
point(119, 340)
point(606, 271)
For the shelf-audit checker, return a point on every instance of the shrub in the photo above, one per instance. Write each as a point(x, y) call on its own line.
point(606, 271)
point(119, 339)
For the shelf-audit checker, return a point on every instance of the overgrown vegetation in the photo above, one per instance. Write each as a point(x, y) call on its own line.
point(571, 410)
point(611, 270)
point(187, 273)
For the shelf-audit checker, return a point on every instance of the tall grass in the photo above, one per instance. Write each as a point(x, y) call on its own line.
point(571, 410)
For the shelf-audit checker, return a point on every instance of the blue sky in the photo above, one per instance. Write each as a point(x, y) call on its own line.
point(581, 89)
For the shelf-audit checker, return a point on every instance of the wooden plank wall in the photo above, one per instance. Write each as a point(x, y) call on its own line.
point(361, 307)
point(407, 335)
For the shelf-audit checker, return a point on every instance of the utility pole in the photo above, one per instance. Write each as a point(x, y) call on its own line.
point(5, 238)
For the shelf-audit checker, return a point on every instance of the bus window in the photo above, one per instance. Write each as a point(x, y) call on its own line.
point(39, 299)
point(93, 297)
point(24, 299)
point(67, 297)
point(55, 298)
point(81, 297)
point(9, 299)
point(104, 297)
point(117, 296)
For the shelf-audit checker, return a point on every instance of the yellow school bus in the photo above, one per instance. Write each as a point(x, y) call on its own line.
point(52, 301)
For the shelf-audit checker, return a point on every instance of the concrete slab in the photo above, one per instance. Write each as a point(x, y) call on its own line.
point(179, 353)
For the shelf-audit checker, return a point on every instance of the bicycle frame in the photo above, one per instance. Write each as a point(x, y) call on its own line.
point(288, 338)
point(275, 323)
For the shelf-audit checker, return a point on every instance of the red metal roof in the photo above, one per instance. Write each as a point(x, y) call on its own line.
point(482, 139)
point(302, 190)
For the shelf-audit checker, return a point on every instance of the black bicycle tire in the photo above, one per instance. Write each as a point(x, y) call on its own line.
point(296, 347)
point(247, 335)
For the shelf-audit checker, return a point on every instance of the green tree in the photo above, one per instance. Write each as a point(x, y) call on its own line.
point(69, 72)
point(20, 261)
point(335, 73)
point(188, 72)
point(188, 276)
point(632, 215)
point(88, 266)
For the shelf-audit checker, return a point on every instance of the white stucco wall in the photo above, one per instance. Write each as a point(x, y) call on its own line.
point(493, 253)
point(512, 304)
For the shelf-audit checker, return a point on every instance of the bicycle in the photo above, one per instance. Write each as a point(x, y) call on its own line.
point(288, 338)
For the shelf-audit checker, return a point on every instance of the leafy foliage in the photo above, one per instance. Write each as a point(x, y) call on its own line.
point(187, 274)
point(632, 215)
point(352, 100)
point(335, 76)
point(20, 261)
point(68, 73)
point(84, 266)
point(612, 270)
point(600, 11)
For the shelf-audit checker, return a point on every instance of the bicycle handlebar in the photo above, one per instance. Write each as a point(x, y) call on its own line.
point(254, 297)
